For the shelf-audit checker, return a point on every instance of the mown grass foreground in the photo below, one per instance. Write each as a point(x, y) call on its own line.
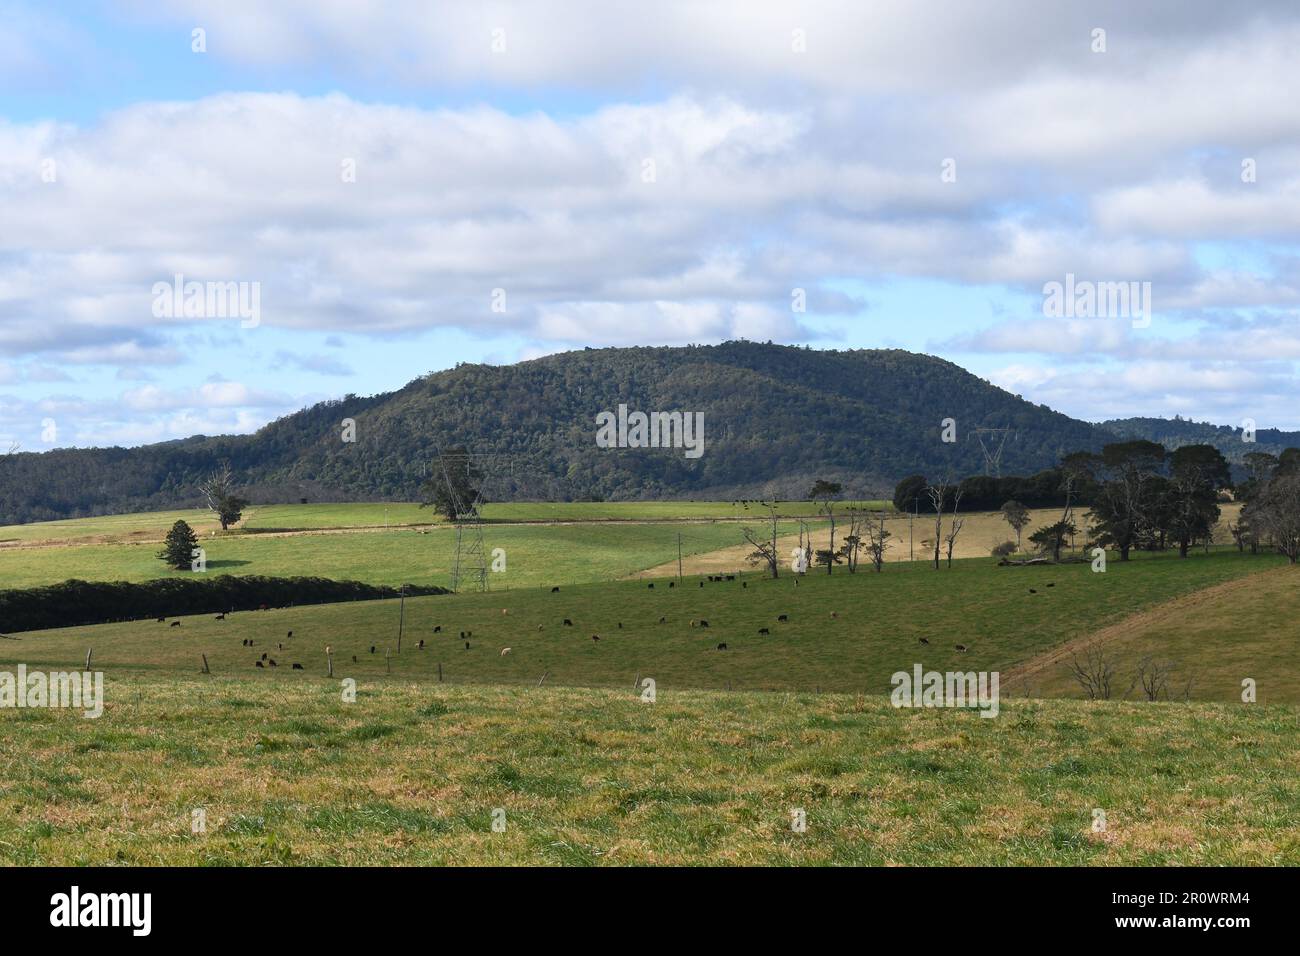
point(412, 774)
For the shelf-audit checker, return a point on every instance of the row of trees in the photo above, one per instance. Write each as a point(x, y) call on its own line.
point(1140, 496)
point(865, 535)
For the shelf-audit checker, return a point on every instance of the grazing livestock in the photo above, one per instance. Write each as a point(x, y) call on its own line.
point(289, 635)
point(176, 623)
point(279, 646)
point(1051, 584)
point(222, 617)
point(595, 637)
point(1032, 591)
point(663, 620)
point(297, 667)
point(272, 662)
point(437, 629)
point(162, 620)
point(467, 645)
point(372, 648)
point(960, 647)
point(505, 651)
point(264, 655)
point(504, 611)
point(783, 617)
point(354, 658)
point(731, 577)
point(744, 584)
point(258, 663)
point(834, 615)
point(703, 623)
point(694, 623)
point(555, 590)
point(722, 647)
point(421, 644)
point(672, 584)
point(651, 585)
point(763, 630)
point(541, 627)
point(568, 623)
point(923, 640)
point(701, 584)
point(620, 625)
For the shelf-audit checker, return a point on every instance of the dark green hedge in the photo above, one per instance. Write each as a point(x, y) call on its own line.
point(75, 603)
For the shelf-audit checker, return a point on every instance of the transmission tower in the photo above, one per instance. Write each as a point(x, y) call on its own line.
point(470, 561)
point(992, 441)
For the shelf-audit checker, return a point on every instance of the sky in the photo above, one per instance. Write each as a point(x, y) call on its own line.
point(402, 186)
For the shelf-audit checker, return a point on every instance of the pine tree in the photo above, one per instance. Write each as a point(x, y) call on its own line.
point(178, 550)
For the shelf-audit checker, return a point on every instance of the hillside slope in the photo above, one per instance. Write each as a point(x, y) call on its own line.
point(775, 418)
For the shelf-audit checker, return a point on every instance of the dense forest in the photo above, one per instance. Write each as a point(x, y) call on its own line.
point(776, 417)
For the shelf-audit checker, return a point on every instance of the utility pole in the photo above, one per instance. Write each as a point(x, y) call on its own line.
point(679, 556)
point(911, 553)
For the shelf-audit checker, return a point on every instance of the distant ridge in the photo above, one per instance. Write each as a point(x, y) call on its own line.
point(775, 418)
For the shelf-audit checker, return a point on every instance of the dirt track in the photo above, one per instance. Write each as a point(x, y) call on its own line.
point(1169, 614)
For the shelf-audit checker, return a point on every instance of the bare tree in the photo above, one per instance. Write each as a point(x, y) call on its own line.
point(1094, 672)
point(1276, 512)
point(219, 493)
point(852, 546)
point(938, 493)
point(1154, 675)
point(825, 492)
point(955, 528)
point(765, 548)
point(877, 539)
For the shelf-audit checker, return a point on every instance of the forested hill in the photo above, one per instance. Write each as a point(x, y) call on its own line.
point(775, 418)
point(1175, 432)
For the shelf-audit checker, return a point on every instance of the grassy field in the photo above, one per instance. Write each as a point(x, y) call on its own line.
point(324, 517)
point(1241, 628)
point(535, 554)
point(412, 774)
point(881, 620)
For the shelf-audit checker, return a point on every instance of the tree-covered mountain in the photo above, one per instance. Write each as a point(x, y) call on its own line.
point(1177, 432)
point(775, 418)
